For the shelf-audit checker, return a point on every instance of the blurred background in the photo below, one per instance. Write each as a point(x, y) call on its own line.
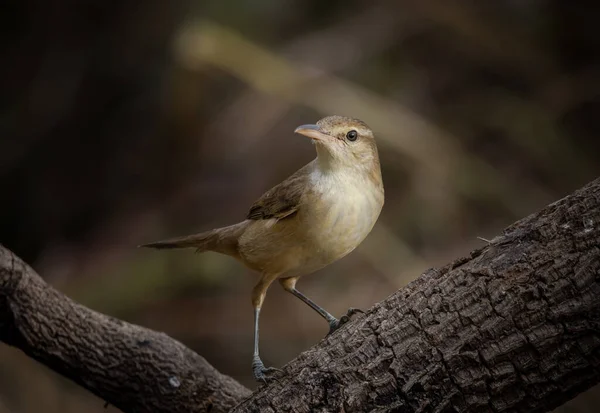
point(128, 122)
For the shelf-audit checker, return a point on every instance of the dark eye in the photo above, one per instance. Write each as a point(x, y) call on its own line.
point(352, 135)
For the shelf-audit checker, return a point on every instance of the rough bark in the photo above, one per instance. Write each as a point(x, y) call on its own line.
point(131, 367)
point(514, 327)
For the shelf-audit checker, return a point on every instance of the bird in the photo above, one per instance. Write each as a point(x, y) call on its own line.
point(313, 218)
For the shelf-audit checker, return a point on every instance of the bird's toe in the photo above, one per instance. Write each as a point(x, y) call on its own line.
point(337, 323)
point(261, 373)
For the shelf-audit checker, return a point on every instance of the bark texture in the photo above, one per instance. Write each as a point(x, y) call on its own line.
point(131, 367)
point(514, 327)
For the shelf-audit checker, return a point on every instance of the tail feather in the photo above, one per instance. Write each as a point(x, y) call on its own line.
point(223, 240)
point(201, 241)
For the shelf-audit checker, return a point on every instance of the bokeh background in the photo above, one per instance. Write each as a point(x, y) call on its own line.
point(127, 122)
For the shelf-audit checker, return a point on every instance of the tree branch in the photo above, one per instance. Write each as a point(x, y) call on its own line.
point(513, 327)
point(131, 367)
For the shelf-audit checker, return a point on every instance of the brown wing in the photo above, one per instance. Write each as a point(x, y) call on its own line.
point(282, 200)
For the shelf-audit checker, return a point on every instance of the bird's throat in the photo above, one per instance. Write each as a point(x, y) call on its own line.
point(325, 161)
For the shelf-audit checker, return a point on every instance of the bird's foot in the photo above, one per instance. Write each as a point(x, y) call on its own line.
point(262, 373)
point(337, 323)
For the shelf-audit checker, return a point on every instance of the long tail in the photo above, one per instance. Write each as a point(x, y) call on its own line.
point(223, 240)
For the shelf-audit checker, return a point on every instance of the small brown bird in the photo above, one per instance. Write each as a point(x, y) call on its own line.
point(313, 218)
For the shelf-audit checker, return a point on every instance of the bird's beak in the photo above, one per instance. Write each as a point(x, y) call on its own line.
point(312, 131)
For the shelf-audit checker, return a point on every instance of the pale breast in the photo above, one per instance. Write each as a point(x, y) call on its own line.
point(345, 210)
point(335, 216)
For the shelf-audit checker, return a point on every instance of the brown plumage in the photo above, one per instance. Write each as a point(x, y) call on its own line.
point(313, 218)
point(282, 200)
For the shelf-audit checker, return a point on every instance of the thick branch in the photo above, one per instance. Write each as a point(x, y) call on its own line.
point(131, 367)
point(514, 327)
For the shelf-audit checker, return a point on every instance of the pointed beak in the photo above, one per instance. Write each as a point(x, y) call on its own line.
point(312, 131)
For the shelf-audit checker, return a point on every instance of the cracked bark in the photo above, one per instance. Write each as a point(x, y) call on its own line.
point(514, 327)
point(131, 367)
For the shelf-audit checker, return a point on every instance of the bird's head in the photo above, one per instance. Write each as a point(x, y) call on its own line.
point(343, 142)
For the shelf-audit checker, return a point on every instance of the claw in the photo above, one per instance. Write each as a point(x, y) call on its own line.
point(262, 373)
point(337, 323)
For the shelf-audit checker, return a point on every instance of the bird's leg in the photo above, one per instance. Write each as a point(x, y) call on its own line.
point(289, 284)
point(259, 370)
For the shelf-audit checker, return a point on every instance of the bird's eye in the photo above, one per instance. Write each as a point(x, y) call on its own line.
point(352, 135)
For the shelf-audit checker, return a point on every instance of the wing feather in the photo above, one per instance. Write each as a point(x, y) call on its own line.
point(283, 200)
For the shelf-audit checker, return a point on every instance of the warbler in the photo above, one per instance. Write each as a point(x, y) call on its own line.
point(313, 218)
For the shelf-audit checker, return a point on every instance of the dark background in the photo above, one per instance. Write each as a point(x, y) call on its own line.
point(126, 122)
